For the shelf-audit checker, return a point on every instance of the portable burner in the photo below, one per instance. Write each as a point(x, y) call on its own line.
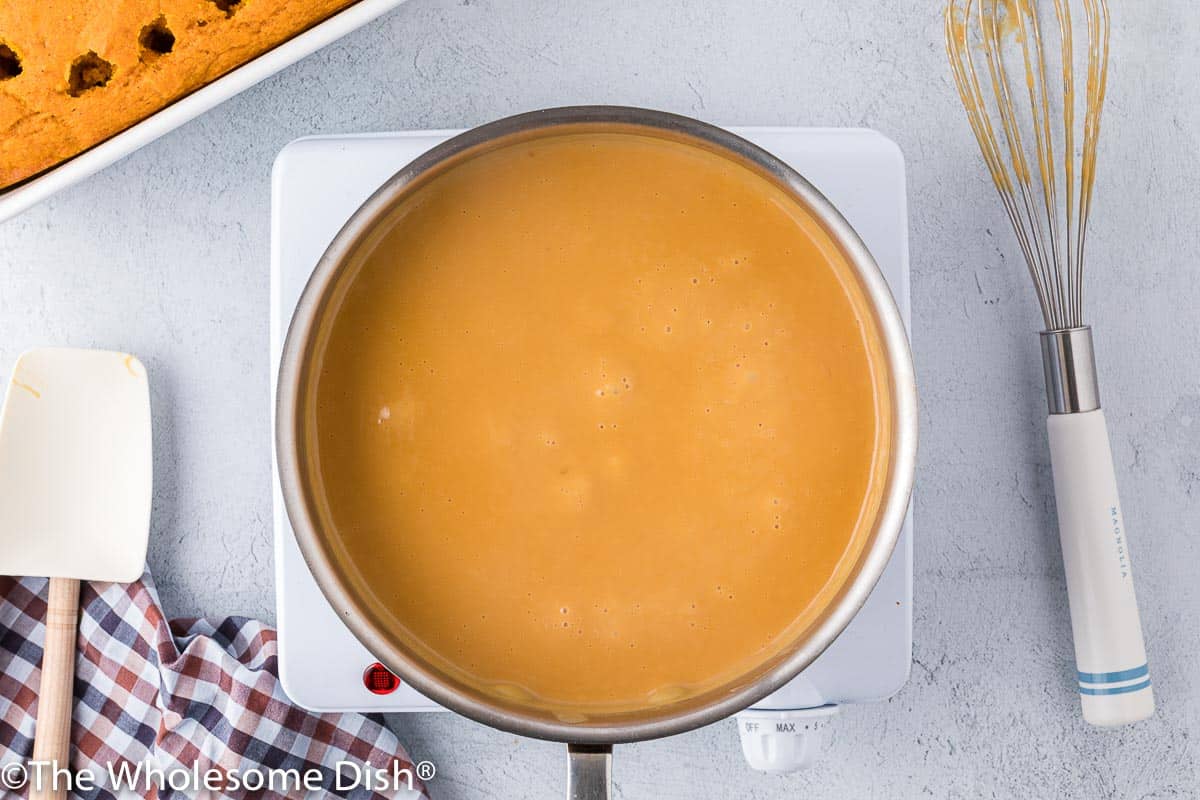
point(319, 182)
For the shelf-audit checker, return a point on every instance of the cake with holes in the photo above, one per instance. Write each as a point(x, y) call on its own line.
point(75, 72)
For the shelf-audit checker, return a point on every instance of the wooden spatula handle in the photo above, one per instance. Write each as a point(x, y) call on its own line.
point(56, 698)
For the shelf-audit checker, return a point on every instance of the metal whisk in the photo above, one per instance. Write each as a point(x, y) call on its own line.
point(1038, 139)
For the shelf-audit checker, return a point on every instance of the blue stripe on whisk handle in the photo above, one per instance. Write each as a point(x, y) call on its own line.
point(1136, 687)
point(1114, 677)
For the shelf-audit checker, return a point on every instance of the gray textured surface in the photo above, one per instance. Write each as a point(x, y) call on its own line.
point(166, 254)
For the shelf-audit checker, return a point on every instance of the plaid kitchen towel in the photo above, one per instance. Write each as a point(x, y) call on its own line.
point(180, 699)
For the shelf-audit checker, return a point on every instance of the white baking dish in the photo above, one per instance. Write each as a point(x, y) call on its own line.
point(20, 197)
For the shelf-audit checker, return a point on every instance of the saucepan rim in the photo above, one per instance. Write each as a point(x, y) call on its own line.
point(654, 723)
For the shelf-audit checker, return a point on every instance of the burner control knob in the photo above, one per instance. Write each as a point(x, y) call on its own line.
point(783, 741)
point(379, 679)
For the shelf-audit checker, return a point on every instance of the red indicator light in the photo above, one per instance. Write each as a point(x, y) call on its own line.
point(379, 679)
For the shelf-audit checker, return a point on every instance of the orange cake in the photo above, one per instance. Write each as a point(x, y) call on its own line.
point(75, 72)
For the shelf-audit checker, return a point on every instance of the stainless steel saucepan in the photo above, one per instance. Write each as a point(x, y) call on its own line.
point(590, 742)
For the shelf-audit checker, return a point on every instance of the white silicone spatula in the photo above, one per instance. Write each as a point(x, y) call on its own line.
point(75, 484)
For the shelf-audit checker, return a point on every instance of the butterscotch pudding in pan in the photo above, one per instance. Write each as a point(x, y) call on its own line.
point(600, 418)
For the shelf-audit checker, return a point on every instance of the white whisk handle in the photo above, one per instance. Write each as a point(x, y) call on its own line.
point(1110, 653)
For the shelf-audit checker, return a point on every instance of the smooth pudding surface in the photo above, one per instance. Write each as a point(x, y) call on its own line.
point(601, 421)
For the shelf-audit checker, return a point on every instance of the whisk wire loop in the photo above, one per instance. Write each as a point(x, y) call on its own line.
point(1043, 177)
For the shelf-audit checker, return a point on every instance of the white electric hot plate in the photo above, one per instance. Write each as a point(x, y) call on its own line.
point(319, 182)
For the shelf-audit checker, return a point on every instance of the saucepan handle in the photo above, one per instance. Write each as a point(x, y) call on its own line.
point(589, 771)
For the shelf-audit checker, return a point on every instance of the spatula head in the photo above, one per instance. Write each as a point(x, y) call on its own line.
point(75, 466)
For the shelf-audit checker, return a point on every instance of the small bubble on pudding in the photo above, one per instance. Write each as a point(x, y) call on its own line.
point(695, 281)
point(667, 329)
point(746, 327)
